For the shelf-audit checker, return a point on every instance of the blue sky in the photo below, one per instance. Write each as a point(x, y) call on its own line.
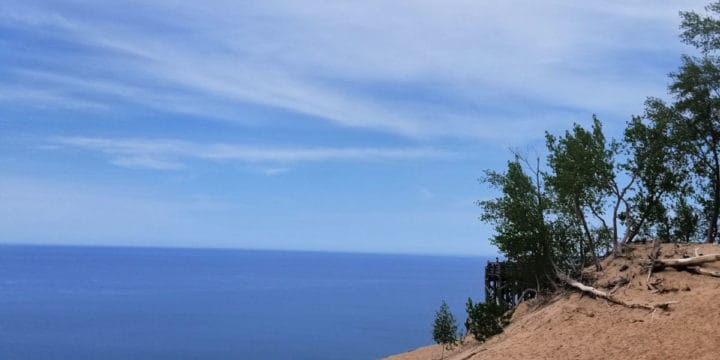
point(309, 125)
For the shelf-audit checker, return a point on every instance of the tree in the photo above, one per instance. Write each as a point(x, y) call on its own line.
point(696, 124)
point(518, 215)
point(445, 327)
point(670, 156)
point(581, 179)
point(655, 161)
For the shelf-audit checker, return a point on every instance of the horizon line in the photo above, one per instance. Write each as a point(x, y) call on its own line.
point(187, 247)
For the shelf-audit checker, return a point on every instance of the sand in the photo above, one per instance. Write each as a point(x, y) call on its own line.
point(575, 326)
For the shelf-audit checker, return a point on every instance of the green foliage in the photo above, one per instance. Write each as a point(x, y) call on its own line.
point(668, 160)
point(445, 327)
point(702, 32)
point(696, 87)
point(581, 179)
point(582, 167)
point(657, 165)
point(518, 215)
point(486, 319)
point(684, 225)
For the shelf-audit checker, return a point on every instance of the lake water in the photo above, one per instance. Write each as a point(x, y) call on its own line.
point(146, 303)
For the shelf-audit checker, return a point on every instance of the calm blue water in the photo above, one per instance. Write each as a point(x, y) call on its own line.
point(139, 303)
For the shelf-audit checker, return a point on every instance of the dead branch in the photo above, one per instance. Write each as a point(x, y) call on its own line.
point(617, 285)
point(525, 293)
point(614, 282)
point(661, 263)
point(701, 271)
point(601, 294)
point(653, 256)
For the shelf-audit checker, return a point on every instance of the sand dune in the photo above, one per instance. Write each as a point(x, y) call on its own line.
point(575, 326)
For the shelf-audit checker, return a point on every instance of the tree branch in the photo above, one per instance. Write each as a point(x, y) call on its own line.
point(601, 294)
point(699, 270)
point(696, 260)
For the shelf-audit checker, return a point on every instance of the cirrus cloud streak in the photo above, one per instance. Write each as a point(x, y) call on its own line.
point(170, 154)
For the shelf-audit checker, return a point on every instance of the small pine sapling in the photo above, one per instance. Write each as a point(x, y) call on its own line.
point(445, 328)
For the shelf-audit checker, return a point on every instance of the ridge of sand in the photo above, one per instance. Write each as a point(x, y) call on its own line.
point(575, 326)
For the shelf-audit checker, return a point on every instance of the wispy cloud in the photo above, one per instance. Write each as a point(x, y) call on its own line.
point(43, 98)
point(272, 171)
point(425, 194)
point(416, 68)
point(140, 161)
point(170, 154)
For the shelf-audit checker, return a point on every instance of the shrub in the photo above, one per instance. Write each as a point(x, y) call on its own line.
point(486, 319)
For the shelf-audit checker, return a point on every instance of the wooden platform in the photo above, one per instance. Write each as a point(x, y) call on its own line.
point(501, 284)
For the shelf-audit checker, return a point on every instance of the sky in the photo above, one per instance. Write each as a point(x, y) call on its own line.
point(354, 126)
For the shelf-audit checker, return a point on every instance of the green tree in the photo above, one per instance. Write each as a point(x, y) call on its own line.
point(581, 180)
point(655, 161)
point(445, 327)
point(518, 215)
point(696, 110)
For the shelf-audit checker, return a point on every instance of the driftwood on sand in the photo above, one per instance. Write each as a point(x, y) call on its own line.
point(603, 295)
point(690, 264)
point(695, 260)
point(702, 271)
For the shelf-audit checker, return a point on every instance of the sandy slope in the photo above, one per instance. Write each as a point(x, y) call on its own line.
point(572, 326)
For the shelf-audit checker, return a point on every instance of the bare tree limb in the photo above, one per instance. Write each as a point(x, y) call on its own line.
point(701, 271)
point(653, 257)
point(601, 294)
point(687, 262)
point(620, 198)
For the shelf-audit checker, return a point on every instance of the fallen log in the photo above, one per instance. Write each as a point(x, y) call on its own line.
point(696, 260)
point(603, 295)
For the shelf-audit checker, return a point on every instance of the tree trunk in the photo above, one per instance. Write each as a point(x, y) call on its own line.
point(616, 245)
point(582, 253)
point(715, 212)
point(588, 235)
point(620, 196)
point(631, 231)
